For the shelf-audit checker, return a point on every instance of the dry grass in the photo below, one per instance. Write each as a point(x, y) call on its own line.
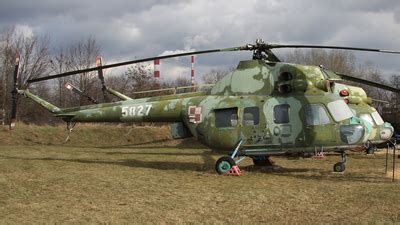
point(175, 182)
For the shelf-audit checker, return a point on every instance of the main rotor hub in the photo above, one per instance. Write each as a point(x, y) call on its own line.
point(261, 51)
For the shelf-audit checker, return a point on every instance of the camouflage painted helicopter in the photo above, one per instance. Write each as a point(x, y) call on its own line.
point(264, 107)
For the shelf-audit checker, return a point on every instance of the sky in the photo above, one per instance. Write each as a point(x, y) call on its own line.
point(132, 29)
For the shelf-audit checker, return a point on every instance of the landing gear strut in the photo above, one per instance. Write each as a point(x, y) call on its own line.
point(370, 148)
point(227, 165)
point(341, 166)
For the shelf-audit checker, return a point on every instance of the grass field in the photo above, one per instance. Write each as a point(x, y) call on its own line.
point(106, 176)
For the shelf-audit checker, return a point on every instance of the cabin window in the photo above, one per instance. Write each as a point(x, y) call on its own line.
point(281, 113)
point(226, 117)
point(339, 110)
point(251, 116)
point(316, 115)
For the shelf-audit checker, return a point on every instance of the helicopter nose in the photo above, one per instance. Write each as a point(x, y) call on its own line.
point(352, 134)
point(386, 133)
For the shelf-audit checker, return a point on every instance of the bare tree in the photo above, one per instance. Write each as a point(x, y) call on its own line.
point(59, 65)
point(7, 56)
point(214, 76)
point(79, 55)
point(336, 60)
point(34, 60)
point(140, 78)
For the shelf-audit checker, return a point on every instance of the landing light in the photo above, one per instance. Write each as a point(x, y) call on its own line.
point(68, 86)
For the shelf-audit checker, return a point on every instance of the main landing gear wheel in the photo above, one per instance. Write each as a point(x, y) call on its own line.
point(224, 164)
point(339, 167)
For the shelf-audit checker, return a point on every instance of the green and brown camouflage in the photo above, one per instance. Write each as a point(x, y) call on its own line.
point(270, 106)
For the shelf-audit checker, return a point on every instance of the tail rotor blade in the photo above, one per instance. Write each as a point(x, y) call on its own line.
point(99, 63)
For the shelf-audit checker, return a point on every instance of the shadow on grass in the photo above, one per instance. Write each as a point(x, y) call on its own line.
point(189, 143)
point(331, 176)
point(318, 174)
point(208, 167)
point(276, 169)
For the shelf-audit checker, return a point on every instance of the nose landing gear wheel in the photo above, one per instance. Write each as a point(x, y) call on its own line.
point(339, 167)
point(224, 164)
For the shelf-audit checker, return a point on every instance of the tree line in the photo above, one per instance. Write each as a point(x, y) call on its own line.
point(38, 58)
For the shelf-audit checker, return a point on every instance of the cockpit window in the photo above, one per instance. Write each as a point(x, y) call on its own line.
point(378, 119)
point(368, 118)
point(281, 113)
point(339, 110)
point(316, 115)
point(226, 117)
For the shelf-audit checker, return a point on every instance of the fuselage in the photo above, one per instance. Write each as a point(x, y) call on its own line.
point(275, 107)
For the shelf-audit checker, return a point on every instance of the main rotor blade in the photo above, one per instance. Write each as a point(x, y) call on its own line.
point(133, 62)
point(272, 46)
point(367, 82)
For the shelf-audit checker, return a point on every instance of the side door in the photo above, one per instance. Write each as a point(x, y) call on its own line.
point(320, 130)
point(284, 122)
point(282, 126)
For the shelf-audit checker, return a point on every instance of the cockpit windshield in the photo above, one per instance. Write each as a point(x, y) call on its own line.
point(378, 119)
point(368, 118)
point(339, 110)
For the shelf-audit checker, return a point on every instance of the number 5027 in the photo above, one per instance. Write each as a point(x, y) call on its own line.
point(135, 110)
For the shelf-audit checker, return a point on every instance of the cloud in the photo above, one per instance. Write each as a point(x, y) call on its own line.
point(139, 29)
point(24, 31)
point(174, 52)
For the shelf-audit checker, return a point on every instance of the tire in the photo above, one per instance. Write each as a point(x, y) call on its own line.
point(224, 164)
point(339, 167)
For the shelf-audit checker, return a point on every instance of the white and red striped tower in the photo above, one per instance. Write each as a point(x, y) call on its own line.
point(157, 71)
point(192, 73)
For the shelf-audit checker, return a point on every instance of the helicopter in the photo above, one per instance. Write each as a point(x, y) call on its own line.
point(263, 108)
